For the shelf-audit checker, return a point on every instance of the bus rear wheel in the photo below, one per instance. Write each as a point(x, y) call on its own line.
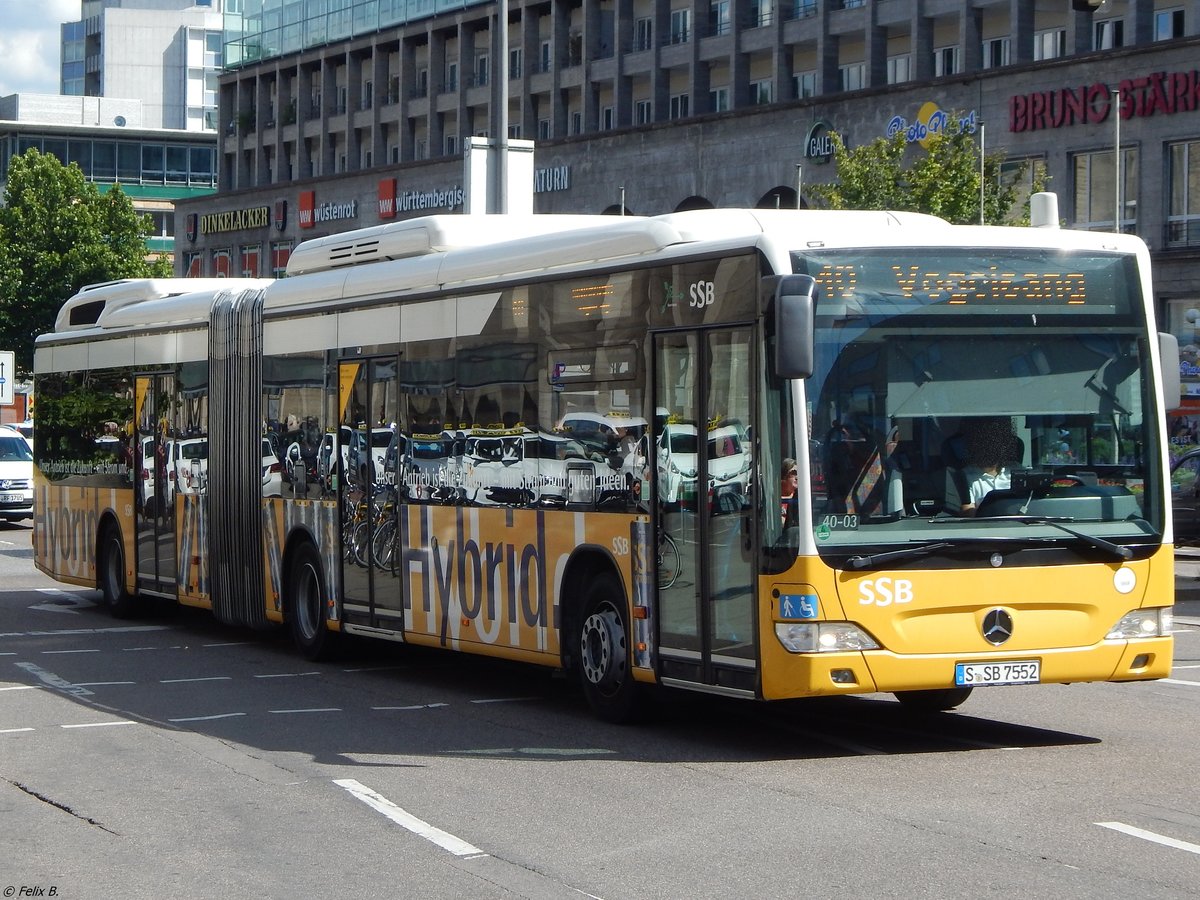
point(603, 663)
point(306, 606)
point(939, 700)
point(111, 570)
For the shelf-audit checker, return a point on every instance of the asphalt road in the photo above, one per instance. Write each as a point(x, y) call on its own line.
point(169, 756)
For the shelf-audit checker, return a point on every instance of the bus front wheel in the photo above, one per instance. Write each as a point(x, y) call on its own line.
point(306, 608)
point(604, 664)
point(939, 700)
point(120, 602)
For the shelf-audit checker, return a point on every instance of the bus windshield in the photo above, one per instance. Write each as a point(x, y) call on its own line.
point(979, 391)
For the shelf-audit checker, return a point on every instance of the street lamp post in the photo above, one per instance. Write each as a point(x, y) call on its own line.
point(982, 169)
point(1116, 106)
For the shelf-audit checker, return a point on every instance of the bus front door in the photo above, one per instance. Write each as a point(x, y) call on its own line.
point(703, 492)
point(154, 484)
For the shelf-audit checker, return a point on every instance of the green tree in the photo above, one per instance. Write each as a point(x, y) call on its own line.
point(57, 234)
point(942, 179)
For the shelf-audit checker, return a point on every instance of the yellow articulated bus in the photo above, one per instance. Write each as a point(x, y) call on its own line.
point(764, 454)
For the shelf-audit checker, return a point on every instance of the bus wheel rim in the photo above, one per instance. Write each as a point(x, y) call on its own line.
point(602, 649)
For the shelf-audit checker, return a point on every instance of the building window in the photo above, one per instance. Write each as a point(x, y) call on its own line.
point(545, 61)
point(193, 264)
point(516, 61)
point(221, 263)
point(718, 99)
point(451, 77)
point(514, 131)
point(996, 53)
point(543, 129)
point(212, 50)
point(281, 251)
point(1183, 213)
point(805, 84)
point(852, 77)
point(681, 26)
point(643, 34)
point(1024, 175)
point(483, 69)
point(680, 106)
point(1050, 44)
point(1109, 34)
point(898, 69)
point(608, 119)
point(760, 92)
point(643, 112)
point(1168, 23)
point(576, 123)
point(719, 21)
point(945, 61)
point(1095, 194)
point(250, 254)
point(451, 144)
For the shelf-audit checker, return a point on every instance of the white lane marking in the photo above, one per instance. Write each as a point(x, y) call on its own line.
point(317, 709)
point(506, 700)
point(417, 706)
point(51, 680)
point(20, 687)
point(8, 653)
point(288, 675)
point(229, 644)
point(63, 602)
point(14, 730)
point(407, 820)
point(1145, 835)
point(64, 632)
point(187, 680)
point(102, 683)
point(53, 652)
point(208, 718)
point(1181, 681)
point(375, 669)
point(100, 724)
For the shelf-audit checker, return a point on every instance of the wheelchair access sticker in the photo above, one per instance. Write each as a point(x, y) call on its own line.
point(799, 606)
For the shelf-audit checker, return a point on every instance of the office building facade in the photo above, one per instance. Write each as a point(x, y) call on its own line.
point(346, 114)
point(167, 53)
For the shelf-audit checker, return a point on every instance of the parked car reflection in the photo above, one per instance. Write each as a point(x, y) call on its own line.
point(1185, 497)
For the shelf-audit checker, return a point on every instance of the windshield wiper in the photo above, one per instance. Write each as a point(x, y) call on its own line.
point(1098, 542)
point(862, 562)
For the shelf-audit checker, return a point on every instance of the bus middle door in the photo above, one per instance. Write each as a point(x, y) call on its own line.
point(154, 486)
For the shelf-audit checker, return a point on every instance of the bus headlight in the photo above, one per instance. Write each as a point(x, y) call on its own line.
point(823, 637)
point(1141, 623)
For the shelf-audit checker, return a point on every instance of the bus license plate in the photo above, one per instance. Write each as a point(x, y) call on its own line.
point(984, 674)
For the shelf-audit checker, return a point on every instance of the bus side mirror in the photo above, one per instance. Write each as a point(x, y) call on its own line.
point(1168, 354)
point(795, 301)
